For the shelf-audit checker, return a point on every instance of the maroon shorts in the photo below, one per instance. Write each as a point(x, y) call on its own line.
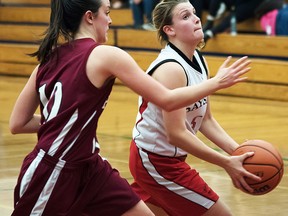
point(92, 187)
point(170, 183)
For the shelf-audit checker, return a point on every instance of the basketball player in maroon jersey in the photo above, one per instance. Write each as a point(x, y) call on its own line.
point(64, 174)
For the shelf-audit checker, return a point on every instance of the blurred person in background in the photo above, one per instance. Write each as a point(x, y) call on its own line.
point(205, 5)
point(273, 17)
point(142, 13)
point(118, 4)
point(243, 10)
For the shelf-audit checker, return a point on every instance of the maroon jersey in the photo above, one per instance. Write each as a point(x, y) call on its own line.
point(70, 104)
point(64, 174)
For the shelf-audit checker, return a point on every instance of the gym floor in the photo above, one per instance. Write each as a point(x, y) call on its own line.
point(242, 118)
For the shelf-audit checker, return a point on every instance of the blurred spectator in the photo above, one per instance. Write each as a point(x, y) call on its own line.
point(200, 6)
point(205, 5)
point(118, 4)
point(282, 21)
point(216, 8)
point(243, 11)
point(142, 13)
point(273, 16)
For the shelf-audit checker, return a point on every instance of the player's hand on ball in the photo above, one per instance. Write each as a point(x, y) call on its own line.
point(238, 173)
point(266, 162)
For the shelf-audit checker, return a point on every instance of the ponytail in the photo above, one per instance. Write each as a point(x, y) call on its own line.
point(51, 34)
point(65, 18)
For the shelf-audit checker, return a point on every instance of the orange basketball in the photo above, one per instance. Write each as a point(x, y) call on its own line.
point(266, 163)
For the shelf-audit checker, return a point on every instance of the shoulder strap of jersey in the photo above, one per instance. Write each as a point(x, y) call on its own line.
point(202, 61)
point(151, 71)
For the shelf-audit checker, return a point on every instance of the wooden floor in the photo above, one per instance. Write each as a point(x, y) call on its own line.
point(241, 117)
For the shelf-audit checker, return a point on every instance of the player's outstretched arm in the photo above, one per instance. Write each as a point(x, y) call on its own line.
point(118, 63)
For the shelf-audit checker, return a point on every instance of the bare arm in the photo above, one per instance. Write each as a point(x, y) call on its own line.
point(112, 61)
point(214, 132)
point(172, 76)
point(179, 136)
point(23, 118)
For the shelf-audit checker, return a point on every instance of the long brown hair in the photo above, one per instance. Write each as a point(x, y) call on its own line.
point(65, 19)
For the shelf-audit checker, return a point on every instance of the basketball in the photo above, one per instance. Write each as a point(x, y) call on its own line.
point(266, 163)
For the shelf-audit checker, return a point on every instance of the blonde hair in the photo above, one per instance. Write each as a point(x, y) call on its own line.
point(163, 15)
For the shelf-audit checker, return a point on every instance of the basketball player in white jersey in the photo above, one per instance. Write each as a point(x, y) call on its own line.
point(162, 140)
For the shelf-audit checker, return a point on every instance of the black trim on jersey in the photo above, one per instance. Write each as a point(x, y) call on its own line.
point(165, 61)
point(194, 63)
point(202, 60)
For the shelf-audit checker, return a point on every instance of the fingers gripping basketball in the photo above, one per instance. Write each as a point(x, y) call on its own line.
point(266, 163)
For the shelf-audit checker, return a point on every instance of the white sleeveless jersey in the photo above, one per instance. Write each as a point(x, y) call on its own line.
point(149, 132)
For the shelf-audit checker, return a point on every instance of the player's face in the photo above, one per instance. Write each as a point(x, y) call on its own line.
point(186, 25)
point(102, 22)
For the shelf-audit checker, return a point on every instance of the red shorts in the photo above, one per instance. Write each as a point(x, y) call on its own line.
point(47, 187)
point(170, 183)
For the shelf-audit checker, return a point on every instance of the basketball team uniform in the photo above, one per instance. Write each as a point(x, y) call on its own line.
point(64, 174)
point(161, 175)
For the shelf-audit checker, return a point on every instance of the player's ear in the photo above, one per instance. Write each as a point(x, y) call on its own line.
point(88, 16)
point(169, 30)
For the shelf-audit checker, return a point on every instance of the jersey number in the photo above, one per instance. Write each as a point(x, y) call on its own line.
point(56, 96)
point(194, 122)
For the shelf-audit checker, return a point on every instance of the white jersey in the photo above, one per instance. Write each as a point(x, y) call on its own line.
point(149, 132)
